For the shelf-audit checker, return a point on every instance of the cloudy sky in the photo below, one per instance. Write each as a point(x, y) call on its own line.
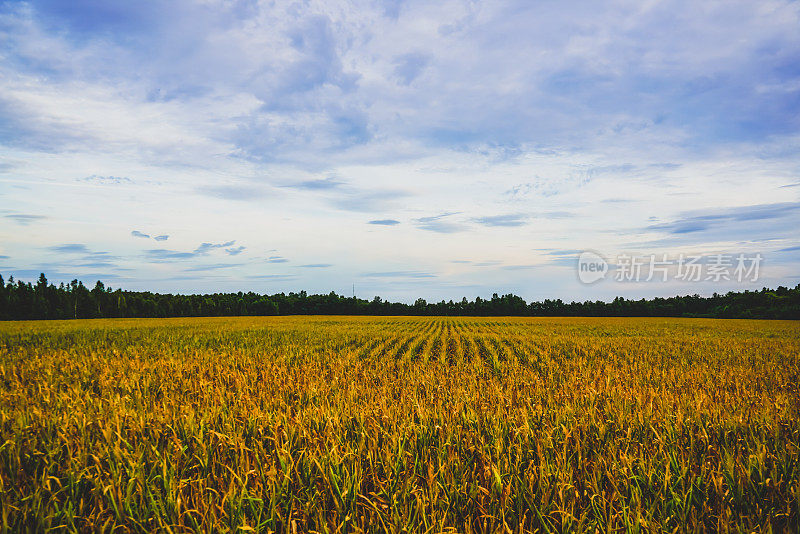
point(411, 149)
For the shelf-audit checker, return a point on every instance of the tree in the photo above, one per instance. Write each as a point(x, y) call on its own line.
point(97, 295)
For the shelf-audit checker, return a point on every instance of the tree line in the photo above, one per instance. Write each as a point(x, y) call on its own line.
point(43, 300)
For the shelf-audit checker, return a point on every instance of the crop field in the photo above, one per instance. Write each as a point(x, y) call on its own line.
point(406, 424)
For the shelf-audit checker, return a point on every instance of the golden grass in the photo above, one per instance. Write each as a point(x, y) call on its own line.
point(339, 424)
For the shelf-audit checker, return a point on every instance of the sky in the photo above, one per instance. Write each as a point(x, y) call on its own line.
point(402, 149)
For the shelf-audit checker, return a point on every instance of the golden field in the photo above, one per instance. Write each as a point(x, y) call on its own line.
point(406, 424)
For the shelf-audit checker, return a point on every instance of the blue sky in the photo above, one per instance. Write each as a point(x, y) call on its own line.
point(411, 149)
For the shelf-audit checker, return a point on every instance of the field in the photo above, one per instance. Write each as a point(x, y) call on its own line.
point(342, 424)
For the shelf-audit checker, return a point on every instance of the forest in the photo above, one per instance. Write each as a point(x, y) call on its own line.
point(44, 300)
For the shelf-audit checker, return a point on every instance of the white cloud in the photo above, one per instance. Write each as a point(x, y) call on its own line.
point(500, 128)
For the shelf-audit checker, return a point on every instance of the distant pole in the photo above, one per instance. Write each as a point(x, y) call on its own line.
point(354, 291)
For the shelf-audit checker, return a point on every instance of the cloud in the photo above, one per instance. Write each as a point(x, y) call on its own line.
point(324, 184)
point(617, 200)
point(25, 219)
point(106, 180)
point(755, 225)
point(316, 265)
point(344, 196)
point(502, 220)
point(68, 257)
point(205, 248)
point(548, 187)
point(80, 257)
point(338, 80)
point(276, 259)
point(333, 191)
point(491, 263)
point(96, 264)
point(728, 218)
point(235, 192)
point(367, 200)
point(164, 255)
point(399, 274)
point(519, 267)
point(437, 223)
point(275, 277)
point(234, 251)
point(71, 248)
point(211, 267)
point(409, 66)
point(564, 252)
point(555, 215)
point(384, 222)
point(137, 233)
point(519, 191)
